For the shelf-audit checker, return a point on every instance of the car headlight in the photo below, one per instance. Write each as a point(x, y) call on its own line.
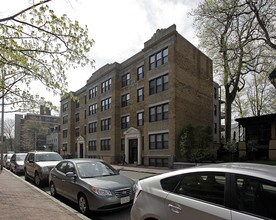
point(45, 170)
point(101, 192)
point(134, 187)
point(138, 191)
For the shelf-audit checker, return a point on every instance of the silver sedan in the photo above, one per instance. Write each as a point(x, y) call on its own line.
point(233, 191)
point(93, 184)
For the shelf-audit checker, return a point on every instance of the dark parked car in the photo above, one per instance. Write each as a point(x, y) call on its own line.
point(233, 191)
point(17, 162)
point(93, 184)
point(38, 164)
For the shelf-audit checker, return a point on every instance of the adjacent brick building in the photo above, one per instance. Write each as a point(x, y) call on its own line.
point(141, 105)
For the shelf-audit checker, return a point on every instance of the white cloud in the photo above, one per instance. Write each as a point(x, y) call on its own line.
point(119, 27)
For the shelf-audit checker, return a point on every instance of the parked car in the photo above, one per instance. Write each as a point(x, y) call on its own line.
point(17, 162)
point(93, 184)
point(233, 191)
point(38, 164)
point(7, 160)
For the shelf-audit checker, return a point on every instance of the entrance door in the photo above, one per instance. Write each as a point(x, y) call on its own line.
point(81, 150)
point(133, 150)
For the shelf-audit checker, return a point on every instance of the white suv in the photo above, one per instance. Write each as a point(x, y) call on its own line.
point(38, 164)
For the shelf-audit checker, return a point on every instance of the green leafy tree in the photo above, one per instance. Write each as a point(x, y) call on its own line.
point(186, 141)
point(230, 34)
point(34, 134)
point(195, 143)
point(36, 45)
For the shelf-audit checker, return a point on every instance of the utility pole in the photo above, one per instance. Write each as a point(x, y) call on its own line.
point(2, 120)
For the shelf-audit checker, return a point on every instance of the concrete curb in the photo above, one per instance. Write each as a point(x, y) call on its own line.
point(73, 211)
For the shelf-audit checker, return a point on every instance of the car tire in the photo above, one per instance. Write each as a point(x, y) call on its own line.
point(37, 179)
point(83, 204)
point(53, 190)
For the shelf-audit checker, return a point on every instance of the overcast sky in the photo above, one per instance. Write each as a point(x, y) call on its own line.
point(118, 27)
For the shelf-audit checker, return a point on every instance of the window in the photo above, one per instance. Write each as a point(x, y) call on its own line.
point(208, 187)
point(159, 58)
point(125, 79)
point(140, 73)
point(215, 128)
point(105, 104)
point(65, 119)
point(105, 145)
point(77, 103)
point(255, 196)
point(159, 112)
point(92, 145)
point(93, 92)
point(65, 107)
point(93, 109)
point(215, 93)
point(158, 162)
point(140, 95)
point(140, 119)
point(125, 100)
point(62, 167)
point(77, 132)
point(106, 85)
point(92, 127)
point(64, 133)
point(64, 147)
point(105, 124)
point(77, 116)
point(159, 141)
point(215, 110)
point(125, 122)
point(159, 84)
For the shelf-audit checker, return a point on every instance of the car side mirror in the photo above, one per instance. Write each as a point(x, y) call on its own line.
point(71, 175)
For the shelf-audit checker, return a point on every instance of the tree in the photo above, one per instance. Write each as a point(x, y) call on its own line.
point(264, 13)
point(37, 45)
point(195, 143)
point(258, 97)
point(34, 135)
point(228, 31)
point(9, 133)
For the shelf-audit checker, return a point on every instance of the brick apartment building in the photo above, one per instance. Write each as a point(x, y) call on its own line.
point(21, 134)
point(141, 105)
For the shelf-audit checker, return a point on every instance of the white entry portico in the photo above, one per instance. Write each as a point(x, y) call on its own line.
point(80, 147)
point(133, 133)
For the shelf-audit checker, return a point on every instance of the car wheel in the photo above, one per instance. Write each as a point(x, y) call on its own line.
point(83, 204)
point(53, 189)
point(37, 179)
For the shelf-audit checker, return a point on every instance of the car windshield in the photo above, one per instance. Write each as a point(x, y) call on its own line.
point(48, 157)
point(95, 169)
point(20, 157)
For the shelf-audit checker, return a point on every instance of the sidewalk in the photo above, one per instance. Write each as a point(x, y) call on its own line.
point(143, 169)
point(21, 200)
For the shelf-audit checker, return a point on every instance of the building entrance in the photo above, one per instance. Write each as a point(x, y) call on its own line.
point(133, 151)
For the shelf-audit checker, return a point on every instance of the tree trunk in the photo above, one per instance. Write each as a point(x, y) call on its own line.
point(228, 112)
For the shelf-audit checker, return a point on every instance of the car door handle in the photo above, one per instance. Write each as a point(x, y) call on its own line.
point(175, 208)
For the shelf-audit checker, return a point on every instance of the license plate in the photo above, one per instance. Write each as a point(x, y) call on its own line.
point(125, 199)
